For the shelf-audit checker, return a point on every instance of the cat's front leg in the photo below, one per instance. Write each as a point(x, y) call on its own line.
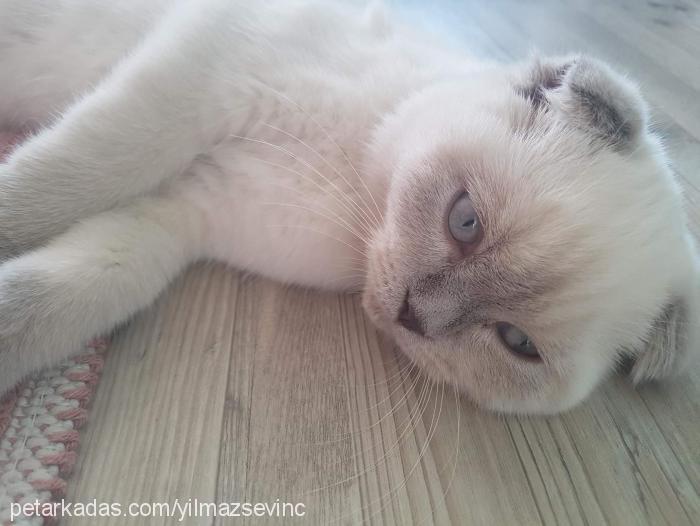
point(143, 124)
point(88, 280)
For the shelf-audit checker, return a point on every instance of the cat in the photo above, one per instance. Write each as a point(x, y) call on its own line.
point(515, 228)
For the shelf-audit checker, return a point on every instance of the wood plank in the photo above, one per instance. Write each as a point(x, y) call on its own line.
point(155, 427)
point(665, 51)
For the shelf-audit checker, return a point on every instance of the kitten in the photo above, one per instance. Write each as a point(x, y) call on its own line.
point(515, 228)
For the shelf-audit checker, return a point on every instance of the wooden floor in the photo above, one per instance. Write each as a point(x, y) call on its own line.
point(236, 389)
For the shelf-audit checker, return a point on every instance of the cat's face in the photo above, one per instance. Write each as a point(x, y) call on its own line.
point(533, 235)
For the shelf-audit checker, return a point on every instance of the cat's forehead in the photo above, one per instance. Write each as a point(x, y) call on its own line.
point(511, 186)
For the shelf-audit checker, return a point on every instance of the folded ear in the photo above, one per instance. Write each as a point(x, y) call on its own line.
point(588, 94)
point(665, 343)
point(673, 339)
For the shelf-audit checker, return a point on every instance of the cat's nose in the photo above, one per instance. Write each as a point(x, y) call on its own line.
point(409, 319)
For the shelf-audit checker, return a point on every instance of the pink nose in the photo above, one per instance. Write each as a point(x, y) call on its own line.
point(409, 319)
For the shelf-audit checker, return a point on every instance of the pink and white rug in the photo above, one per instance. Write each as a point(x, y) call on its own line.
point(39, 423)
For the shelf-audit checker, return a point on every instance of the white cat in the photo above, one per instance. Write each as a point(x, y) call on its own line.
point(514, 228)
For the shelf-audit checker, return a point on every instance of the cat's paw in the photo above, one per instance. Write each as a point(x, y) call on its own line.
point(35, 328)
point(19, 336)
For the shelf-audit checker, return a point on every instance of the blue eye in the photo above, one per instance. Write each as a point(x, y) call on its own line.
point(516, 340)
point(463, 221)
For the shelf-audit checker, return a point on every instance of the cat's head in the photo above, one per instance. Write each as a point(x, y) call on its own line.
point(534, 236)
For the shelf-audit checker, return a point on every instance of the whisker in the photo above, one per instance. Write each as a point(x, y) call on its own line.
point(429, 436)
point(352, 263)
point(330, 138)
point(420, 408)
point(322, 234)
point(335, 221)
point(412, 368)
point(360, 221)
point(458, 400)
point(456, 455)
point(325, 160)
point(345, 436)
point(346, 280)
point(302, 195)
point(284, 150)
point(402, 368)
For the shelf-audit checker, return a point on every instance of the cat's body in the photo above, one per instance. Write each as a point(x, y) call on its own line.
point(283, 85)
point(286, 94)
point(266, 136)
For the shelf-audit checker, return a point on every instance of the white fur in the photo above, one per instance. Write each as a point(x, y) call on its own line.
point(271, 136)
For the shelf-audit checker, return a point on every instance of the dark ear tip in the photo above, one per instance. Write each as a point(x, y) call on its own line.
point(590, 94)
point(543, 74)
point(608, 102)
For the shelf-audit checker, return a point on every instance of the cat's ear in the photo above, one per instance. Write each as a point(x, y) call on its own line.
point(671, 343)
point(588, 94)
point(664, 345)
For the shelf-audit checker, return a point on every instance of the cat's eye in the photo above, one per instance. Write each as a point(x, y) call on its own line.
point(516, 340)
point(463, 221)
